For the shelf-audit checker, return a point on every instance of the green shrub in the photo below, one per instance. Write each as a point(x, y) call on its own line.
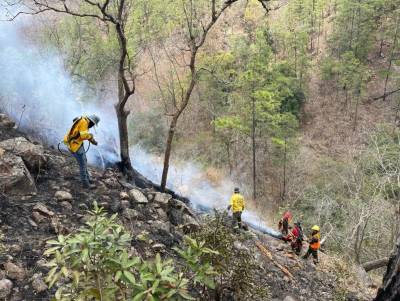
point(236, 270)
point(94, 264)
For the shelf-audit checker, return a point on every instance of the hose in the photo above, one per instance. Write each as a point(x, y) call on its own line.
point(62, 153)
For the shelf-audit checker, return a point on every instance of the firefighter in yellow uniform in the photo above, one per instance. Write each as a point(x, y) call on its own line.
point(74, 139)
point(314, 244)
point(237, 206)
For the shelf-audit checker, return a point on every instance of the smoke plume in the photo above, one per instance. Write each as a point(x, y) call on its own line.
point(37, 92)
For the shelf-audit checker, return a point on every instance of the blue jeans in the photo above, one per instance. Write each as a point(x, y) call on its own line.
point(80, 156)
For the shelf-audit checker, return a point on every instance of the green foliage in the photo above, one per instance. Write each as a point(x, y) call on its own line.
point(359, 198)
point(94, 264)
point(236, 268)
point(195, 256)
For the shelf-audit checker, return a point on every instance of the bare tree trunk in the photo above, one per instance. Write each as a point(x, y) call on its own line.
point(122, 117)
point(391, 59)
point(356, 113)
point(253, 138)
point(167, 154)
point(283, 196)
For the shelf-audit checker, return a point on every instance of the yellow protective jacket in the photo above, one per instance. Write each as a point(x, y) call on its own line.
point(237, 202)
point(78, 133)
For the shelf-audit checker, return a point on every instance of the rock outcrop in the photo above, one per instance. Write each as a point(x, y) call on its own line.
point(32, 154)
point(15, 178)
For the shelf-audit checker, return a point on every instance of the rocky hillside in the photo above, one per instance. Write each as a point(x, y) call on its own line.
point(41, 197)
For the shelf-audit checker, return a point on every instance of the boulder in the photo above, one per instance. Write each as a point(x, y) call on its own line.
point(15, 178)
point(63, 196)
point(5, 288)
point(162, 198)
point(179, 213)
point(14, 272)
point(190, 224)
point(137, 196)
point(32, 154)
point(6, 122)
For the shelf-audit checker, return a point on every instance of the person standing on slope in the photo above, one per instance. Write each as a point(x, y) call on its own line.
point(74, 139)
point(237, 206)
point(296, 238)
point(284, 223)
point(314, 244)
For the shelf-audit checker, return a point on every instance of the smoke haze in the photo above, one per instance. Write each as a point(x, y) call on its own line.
point(37, 92)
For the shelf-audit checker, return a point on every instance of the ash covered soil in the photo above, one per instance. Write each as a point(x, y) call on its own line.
point(56, 204)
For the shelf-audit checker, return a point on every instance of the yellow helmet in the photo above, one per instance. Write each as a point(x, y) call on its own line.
point(315, 228)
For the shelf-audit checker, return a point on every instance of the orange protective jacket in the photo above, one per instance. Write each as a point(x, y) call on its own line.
point(315, 243)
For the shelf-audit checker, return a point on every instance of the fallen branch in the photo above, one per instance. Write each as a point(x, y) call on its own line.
point(375, 264)
point(268, 254)
point(386, 94)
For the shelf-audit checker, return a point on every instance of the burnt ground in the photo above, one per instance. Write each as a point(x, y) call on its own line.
point(24, 237)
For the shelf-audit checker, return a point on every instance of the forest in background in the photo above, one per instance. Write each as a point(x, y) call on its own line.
point(301, 105)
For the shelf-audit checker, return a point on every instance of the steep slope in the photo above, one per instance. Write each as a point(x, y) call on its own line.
point(59, 205)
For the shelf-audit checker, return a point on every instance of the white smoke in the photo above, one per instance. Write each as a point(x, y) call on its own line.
point(37, 92)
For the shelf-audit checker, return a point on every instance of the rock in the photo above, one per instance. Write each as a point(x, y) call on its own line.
point(33, 155)
point(158, 247)
point(66, 206)
point(38, 284)
point(14, 272)
point(112, 183)
point(123, 195)
point(63, 196)
point(2, 274)
point(240, 247)
point(137, 197)
point(177, 212)
point(162, 198)
point(83, 206)
point(162, 215)
point(43, 209)
point(5, 288)
point(6, 122)
point(190, 225)
point(37, 217)
point(125, 204)
point(15, 178)
point(130, 214)
point(162, 227)
point(289, 298)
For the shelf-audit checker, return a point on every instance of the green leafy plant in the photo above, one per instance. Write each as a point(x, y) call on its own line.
point(94, 264)
point(233, 270)
point(194, 256)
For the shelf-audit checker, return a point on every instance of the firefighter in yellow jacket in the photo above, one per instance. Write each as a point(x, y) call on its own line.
point(314, 244)
point(74, 139)
point(237, 206)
